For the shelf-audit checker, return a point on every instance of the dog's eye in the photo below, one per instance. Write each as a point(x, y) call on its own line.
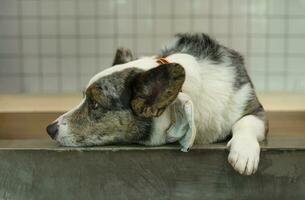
point(95, 105)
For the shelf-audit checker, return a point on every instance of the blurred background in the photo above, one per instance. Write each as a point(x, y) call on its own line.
point(55, 46)
point(49, 50)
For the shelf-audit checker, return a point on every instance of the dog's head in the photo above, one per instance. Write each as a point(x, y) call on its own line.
point(120, 103)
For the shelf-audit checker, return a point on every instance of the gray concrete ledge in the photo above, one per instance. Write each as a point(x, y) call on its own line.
point(39, 169)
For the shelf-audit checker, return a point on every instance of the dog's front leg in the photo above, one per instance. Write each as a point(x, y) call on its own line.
point(244, 145)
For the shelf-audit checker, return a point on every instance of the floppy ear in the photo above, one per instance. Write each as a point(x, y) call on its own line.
point(122, 55)
point(155, 89)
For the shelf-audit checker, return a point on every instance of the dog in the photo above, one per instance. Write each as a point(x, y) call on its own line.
point(195, 91)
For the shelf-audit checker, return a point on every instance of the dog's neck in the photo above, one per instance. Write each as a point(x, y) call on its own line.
point(158, 130)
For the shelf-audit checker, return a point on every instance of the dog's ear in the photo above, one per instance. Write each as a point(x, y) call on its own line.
point(122, 55)
point(155, 89)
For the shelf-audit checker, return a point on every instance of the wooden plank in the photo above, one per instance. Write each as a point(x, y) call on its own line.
point(33, 125)
point(62, 103)
point(37, 103)
point(147, 174)
point(286, 123)
point(25, 125)
point(279, 101)
point(24, 117)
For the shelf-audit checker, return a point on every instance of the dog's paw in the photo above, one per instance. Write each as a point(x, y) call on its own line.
point(244, 154)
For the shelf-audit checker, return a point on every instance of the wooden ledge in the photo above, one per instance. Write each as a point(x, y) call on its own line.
point(62, 103)
point(37, 103)
point(26, 117)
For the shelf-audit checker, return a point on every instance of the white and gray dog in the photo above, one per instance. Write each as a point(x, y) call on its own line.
point(195, 91)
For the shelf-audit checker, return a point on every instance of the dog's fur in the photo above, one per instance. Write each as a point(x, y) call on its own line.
point(129, 102)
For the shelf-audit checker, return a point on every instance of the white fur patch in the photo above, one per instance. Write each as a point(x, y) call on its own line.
point(144, 63)
point(211, 88)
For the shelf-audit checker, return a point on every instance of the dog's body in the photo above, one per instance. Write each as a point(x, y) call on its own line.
point(213, 76)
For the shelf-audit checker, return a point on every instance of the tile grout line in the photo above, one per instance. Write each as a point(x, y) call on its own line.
point(267, 48)
point(58, 49)
point(154, 26)
point(54, 75)
point(116, 27)
point(77, 33)
point(40, 64)
point(217, 16)
point(286, 45)
point(90, 55)
point(97, 41)
point(211, 18)
point(248, 38)
point(172, 16)
point(229, 38)
point(191, 16)
point(20, 47)
point(135, 27)
point(92, 36)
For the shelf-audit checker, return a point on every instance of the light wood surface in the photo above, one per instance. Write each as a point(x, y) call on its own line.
point(62, 103)
point(283, 101)
point(26, 117)
point(33, 125)
point(37, 103)
point(25, 125)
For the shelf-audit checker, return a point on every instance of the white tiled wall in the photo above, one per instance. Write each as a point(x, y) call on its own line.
point(55, 46)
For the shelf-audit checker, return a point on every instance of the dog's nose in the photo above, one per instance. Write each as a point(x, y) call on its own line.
point(52, 129)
